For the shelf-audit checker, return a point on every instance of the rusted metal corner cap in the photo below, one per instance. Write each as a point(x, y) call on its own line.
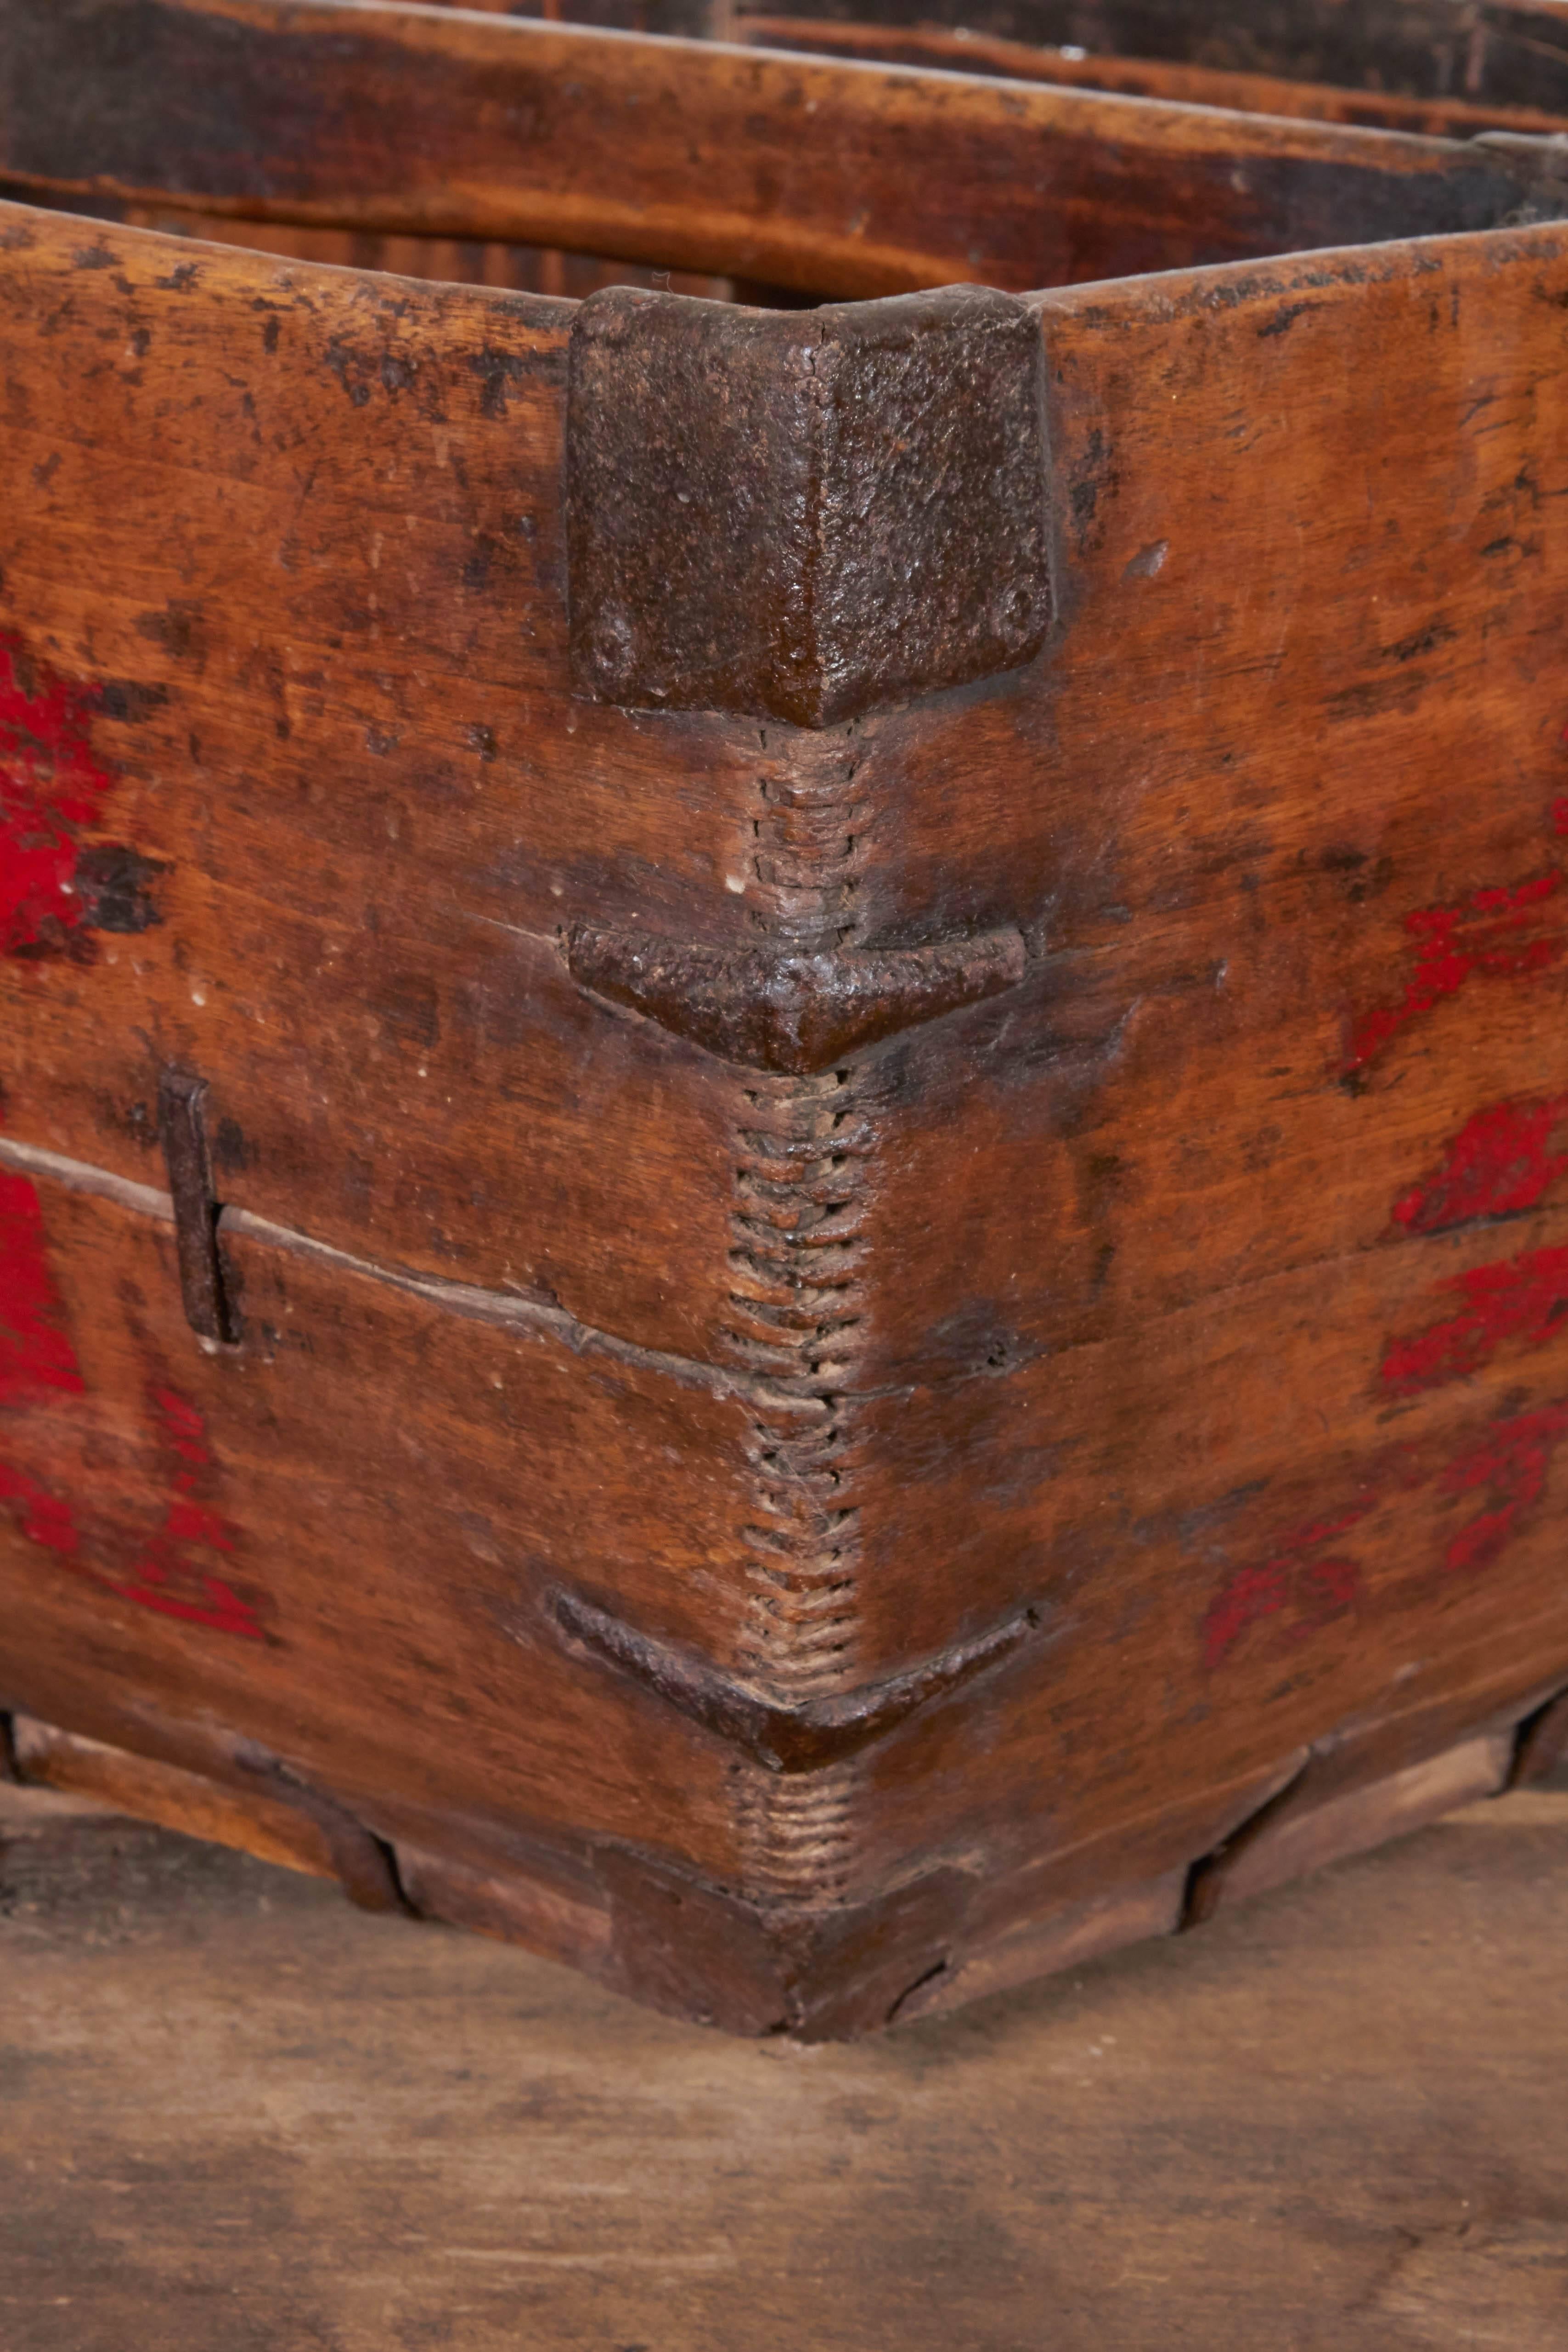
point(804, 515)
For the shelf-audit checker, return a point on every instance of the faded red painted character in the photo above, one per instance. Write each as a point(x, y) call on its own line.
point(1500, 1162)
point(37, 1358)
point(1509, 932)
point(1520, 1300)
point(1511, 1463)
point(1316, 1590)
point(160, 1577)
point(44, 1518)
point(52, 784)
point(1508, 1467)
point(158, 1574)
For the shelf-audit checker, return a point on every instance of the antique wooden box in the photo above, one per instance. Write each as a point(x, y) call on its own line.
point(784, 1186)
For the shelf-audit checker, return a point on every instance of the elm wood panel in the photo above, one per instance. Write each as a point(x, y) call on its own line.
point(384, 1796)
point(694, 19)
point(1442, 67)
point(936, 1943)
point(1382, 1744)
point(1074, 1773)
point(1100, 1148)
point(1375, 1780)
point(465, 261)
point(321, 516)
point(1425, 61)
point(1305, 580)
point(690, 1949)
point(449, 1103)
point(324, 830)
point(1060, 1907)
point(1254, 793)
point(1436, 49)
point(1345, 1388)
point(1059, 1792)
point(338, 1540)
point(1070, 1938)
point(558, 1921)
point(410, 122)
point(664, 17)
point(549, 1903)
point(697, 1953)
point(1008, 1941)
point(965, 50)
point(1366, 1817)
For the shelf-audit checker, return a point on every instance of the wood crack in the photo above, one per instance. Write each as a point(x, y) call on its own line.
point(778, 1394)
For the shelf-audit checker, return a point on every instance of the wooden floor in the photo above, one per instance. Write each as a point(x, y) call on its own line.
point(240, 2117)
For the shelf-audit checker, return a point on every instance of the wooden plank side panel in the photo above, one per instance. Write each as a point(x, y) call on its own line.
point(1235, 1549)
point(962, 49)
point(282, 572)
point(1228, 1257)
point(1498, 52)
point(46, 1757)
point(846, 181)
point(338, 1543)
point(459, 261)
point(1281, 812)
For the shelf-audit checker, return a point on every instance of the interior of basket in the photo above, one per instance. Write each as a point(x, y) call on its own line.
point(485, 146)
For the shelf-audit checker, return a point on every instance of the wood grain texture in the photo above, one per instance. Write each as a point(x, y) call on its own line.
point(459, 261)
point(893, 36)
point(847, 180)
point(191, 1545)
point(46, 1757)
point(1289, 1841)
point(1330, 2121)
point(1467, 56)
point(1276, 890)
point(1442, 68)
point(359, 860)
point(828, 1356)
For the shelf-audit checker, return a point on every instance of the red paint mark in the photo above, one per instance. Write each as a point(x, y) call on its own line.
point(1512, 1465)
point(1316, 1590)
point(1520, 1298)
point(36, 1358)
point(1560, 806)
point(185, 1428)
point(1499, 1161)
point(161, 1577)
point(51, 784)
point(1506, 1469)
point(219, 1607)
point(42, 1518)
point(157, 1576)
point(1497, 933)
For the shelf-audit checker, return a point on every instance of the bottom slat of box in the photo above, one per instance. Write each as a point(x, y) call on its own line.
point(296, 1829)
point(1290, 1841)
point(930, 1945)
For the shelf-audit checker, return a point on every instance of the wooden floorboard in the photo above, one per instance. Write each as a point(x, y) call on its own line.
point(238, 2116)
